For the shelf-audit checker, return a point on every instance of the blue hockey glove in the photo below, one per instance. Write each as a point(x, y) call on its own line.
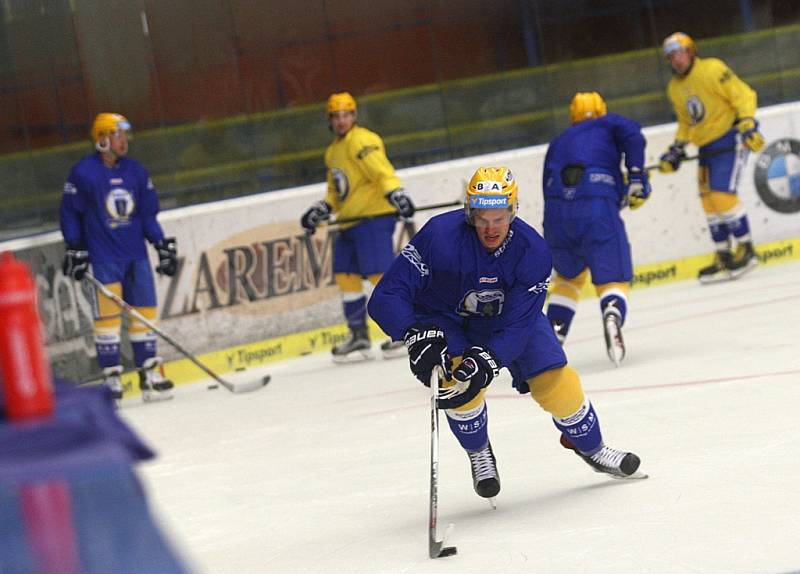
point(638, 189)
point(318, 212)
point(427, 349)
point(400, 200)
point(671, 160)
point(477, 369)
point(76, 262)
point(167, 250)
point(751, 137)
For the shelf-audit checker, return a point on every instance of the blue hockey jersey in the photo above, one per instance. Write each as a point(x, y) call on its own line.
point(584, 161)
point(110, 211)
point(444, 276)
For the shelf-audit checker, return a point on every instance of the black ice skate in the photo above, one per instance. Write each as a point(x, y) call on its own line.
point(616, 463)
point(615, 344)
point(152, 383)
point(485, 478)
point(744, 259)
point(354, 349)
point(112, 380)
point(719, 270)
point(393, 349)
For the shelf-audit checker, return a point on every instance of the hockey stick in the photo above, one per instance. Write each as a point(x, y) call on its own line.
point(436, 548)
point(714, 153)
point(245, 387)
point(367, 217)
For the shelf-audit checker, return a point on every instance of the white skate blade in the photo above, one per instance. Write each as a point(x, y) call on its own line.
point(395, 353)
point(353, 357)
point(156, 396)
point(638, 475)
point(492, 503)
point(736, 273)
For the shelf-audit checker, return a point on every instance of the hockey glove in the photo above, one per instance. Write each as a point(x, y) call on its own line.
point(76, 262)
point(320, 211)
point(427, 348)
point(400, 200)
point(477, 369)
point(671, 160)
point(638, 187)
point(751, 137)
point(167, 250)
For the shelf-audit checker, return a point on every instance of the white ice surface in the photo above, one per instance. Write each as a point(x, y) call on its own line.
point(326, 469)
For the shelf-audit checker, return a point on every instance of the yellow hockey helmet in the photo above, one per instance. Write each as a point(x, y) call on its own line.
point(106, 123)
point(491, 188)
point(679, 41)
point(340, 102)
point(586, 106)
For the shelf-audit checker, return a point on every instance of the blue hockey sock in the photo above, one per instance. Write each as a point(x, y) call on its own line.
point(582, 429)
point(470, 427)
point(355, 312)
point(107, 350)
point(143, 350)
point(740, 227)
point(719, 231)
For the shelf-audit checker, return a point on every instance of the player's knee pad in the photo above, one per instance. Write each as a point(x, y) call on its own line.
point(558, 391)
point(349, 282)
point(137, 330)
point(374, 278)
point(720, 203)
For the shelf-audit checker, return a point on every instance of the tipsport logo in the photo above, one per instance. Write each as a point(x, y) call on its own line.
point(488, 201)
point(777, 175)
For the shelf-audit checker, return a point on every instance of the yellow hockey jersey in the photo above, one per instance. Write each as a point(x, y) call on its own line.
point(708, 100)
point(359, 174)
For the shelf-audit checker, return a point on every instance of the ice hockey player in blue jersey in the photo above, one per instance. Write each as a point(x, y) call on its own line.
point(584, 190)
point(108, 211)
point(466, 295)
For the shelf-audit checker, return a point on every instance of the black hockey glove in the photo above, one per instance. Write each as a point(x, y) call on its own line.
point(320, 211)
point(477, 369)
point(671, 160)
point(167, 250)
point(427, 348)
point(76, 262)
point(400, 200)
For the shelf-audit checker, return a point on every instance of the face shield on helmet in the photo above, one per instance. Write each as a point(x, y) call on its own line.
point(106, 124)
point(586, 106)
point(679, 41)
point(491, 188)
point(340, 102)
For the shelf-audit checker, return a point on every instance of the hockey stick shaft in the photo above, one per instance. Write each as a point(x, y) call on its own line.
point(706, 155)
point(367, 217)
point(435, 549)
point(149, 324)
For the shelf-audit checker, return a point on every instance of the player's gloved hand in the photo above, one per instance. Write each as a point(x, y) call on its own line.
point(400, 200)
point(638, 189)
point(320, 211)
point(167, 250)
point(477, 369)
point(76, 262)
point(751, 137)
point(427, 349)
point(671, 160)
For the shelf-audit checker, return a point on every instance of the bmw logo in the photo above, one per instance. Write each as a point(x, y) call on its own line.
point(777, 175)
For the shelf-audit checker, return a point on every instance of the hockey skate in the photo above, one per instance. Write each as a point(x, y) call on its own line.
point(152, 383)
point(354, 349)
point(393, 349)
point(485, 478)
point(615, 345)
point(615, 463)
point(744, 259)
point(719, 270)
point(112, 380)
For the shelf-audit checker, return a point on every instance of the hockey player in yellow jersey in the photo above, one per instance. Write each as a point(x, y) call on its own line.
point(716, 112)
point(361, 184)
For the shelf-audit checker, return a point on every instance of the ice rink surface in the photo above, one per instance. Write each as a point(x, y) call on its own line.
point(325, 470)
